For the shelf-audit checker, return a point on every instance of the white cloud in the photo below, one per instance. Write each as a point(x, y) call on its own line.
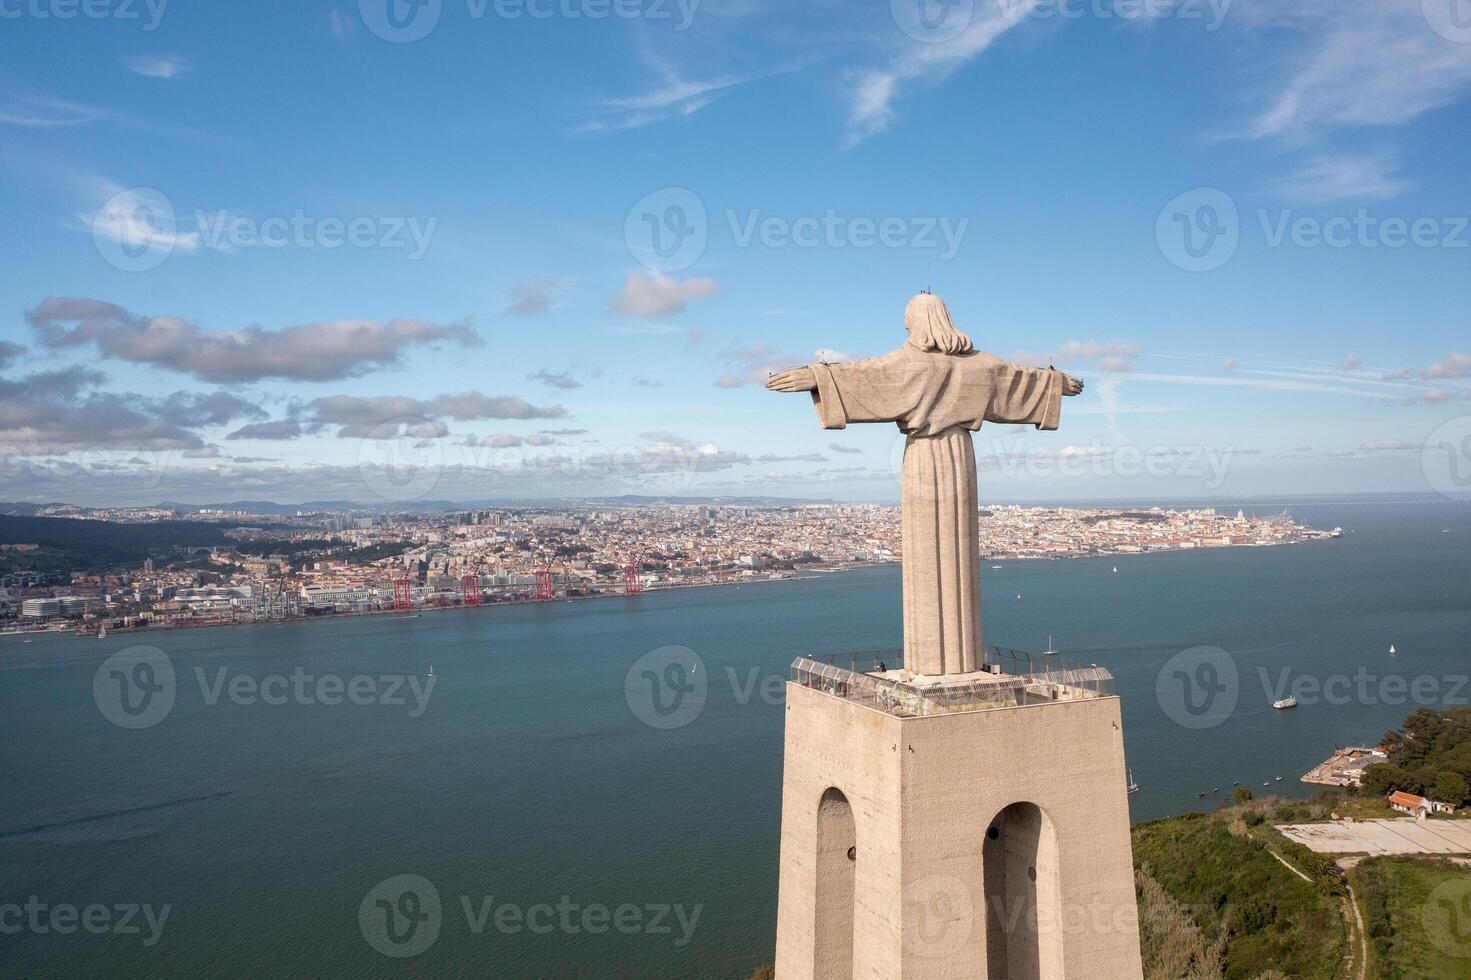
point(826, 356)
point(130, 218)
point(753, 364)
point(655, 294)
point(555, 379)
point(536, 296)
point(340, 24)
point(304, 352)
point(63, 410)
point(1375, 64)
point(1453, 365)
point(157, 66)
point(1345, 175)
point(40, 111)
point(673, 97)
point(1111, 355)
point(872, 92)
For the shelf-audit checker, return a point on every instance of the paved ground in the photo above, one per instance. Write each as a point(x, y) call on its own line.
point(1383, 836)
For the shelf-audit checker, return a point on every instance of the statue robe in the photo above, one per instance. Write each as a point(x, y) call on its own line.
point(937, 400)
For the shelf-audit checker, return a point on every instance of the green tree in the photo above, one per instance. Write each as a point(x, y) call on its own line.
point(1385, 777)
point(1450, 787)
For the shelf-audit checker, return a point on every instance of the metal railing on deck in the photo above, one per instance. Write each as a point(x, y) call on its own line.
point(1013, 678)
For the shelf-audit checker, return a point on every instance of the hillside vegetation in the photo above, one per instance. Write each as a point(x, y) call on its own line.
point(1214, 902)
point(1415, 912)
point(68, 544)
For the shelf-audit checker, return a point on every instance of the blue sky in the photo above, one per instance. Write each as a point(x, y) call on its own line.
point(295, 250)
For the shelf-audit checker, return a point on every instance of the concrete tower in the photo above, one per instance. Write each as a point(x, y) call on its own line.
point(976, 827)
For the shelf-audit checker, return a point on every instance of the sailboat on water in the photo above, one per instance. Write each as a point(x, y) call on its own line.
point(431, 670)
point(1051, 651)
point(1392, 650)
point(1133, 786)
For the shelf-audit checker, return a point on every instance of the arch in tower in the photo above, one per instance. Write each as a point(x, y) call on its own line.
point(837, 862)
point(1023, 895)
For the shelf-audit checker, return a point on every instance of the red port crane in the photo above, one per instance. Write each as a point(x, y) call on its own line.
point(544, 591)
point(403, 596)
point(470, 589)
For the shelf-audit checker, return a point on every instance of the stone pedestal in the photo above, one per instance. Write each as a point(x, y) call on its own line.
point(925, 842)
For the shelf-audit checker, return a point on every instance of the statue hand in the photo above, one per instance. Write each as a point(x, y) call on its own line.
point(796, 379)
point(1071, 385)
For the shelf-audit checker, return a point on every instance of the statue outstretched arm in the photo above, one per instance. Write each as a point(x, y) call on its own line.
point(882, 389)
point(1030, 396)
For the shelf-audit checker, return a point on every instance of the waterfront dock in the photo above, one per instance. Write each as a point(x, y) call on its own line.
point(1345, 767)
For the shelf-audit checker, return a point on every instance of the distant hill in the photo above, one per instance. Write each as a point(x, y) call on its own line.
point(271, 508)
point(66, 544)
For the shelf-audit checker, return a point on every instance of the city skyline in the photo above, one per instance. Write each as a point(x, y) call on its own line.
point(270, 567)
point(418, 259)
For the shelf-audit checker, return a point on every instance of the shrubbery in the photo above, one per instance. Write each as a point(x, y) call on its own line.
point(1432, 756)
point(1249, 914)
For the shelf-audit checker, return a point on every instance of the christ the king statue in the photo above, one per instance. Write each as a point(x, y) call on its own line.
point(938, 389)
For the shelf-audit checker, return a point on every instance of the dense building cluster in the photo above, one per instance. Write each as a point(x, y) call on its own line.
point(324, 563)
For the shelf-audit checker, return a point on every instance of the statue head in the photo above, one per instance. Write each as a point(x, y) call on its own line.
point(930, 327)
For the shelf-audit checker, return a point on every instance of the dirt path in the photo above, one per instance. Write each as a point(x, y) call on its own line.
point(1288, 866)
point(1359, 964)
point(1356, 965)
point(1356, 962)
